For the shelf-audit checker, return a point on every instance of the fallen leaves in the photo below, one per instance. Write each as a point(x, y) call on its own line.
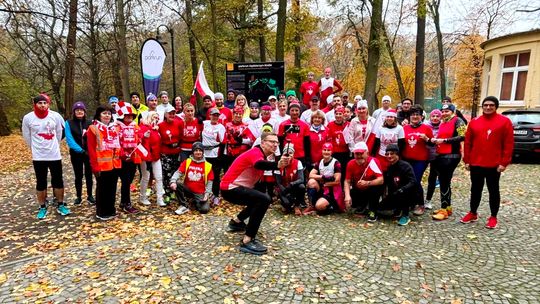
point(94, 275)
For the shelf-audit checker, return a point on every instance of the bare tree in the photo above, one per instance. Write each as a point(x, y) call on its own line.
point(433, 6)
point(420, 53)
point(69, 87)
point(121, 37)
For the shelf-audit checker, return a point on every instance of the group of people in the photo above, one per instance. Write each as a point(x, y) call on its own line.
point(324, 147)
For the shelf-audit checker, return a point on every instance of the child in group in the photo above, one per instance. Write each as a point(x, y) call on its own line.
point(193, 180)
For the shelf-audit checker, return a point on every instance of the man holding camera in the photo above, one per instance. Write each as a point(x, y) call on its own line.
point(297, 132)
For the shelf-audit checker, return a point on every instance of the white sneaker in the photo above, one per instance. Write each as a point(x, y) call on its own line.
point(144, 201)
point(161, 203)
point(428, 205)
point(181, 210)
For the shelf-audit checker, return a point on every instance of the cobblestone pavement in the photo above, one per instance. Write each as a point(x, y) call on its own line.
point(156, 256)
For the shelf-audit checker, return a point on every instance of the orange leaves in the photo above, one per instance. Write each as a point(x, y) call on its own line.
point(14, 161)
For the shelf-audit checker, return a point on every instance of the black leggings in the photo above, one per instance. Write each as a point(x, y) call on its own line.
point(445, 167)
point(491, 177)
point(81, 164)
point(256, 204)
point(42, 167)
point(216, 169)
point(106, 192)
point(293, 197)
point(432, 180)
point(127, 174)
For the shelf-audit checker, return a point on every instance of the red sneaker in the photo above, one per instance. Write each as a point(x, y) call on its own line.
point(469, 218)
point(133, 188)
point(491, 222)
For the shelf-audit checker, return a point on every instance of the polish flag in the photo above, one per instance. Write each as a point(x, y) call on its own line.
point(373, 166)
point(141, 150)
point(201, 84)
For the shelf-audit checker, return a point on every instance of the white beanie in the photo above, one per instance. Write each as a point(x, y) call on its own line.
point(386, 97)
point(362, 104)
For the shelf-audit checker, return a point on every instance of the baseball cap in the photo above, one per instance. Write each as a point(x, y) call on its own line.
point(360, 147)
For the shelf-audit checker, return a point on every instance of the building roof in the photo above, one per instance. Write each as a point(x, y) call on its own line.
point(534, 31)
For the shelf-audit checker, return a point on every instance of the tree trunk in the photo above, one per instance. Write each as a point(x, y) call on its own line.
point(262, 27)
point(297, 41)
point(280, 30)
point(214, 45)
point(70, 56)
point(241, 48)
point(117, 82)
point(395, 66)
point(191, 41)
point(122, 48)
point(434, 8)
point(420, 53)
point(94, 53)
point(477, 63)
point(374, 53)
point(5, 130)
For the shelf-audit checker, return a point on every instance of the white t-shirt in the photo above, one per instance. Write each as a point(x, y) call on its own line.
point(43, 136)
point(389, 136)
point(212, 136)
point(281, 119)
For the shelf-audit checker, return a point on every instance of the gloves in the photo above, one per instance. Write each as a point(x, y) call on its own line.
point(398, 192)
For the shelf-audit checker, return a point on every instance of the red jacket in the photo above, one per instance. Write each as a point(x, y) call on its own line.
point(152, 144)
point(489, 141)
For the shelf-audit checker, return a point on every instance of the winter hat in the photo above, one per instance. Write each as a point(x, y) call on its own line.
point(417, 109)
point(267, 128)
point(492, 98)
point(134, 94)
point(78, 105)
point(447, 98)
point(254, 104)
point(238, 109)
point(124, 108)
point(231, 90)
point(330, 99)
point(113, 99)
point(197, 146)
point(163, 93)
point(361, 104)
point(386, 98)
point(206, 97)
point(314, 98)
point(357, 97)
point(449, 106)
point(288, 149)
point(391, 113)
point(328, 146)
point(339, 109)
point(294, 104)
point(392, 148)
point(151, 96)
point(272, 97)
point(218, 95)
point(360, 147)
point(266, 108)
point(436, 111)
point(290, 93)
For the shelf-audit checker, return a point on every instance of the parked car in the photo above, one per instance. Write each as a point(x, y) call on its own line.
point(526, 132)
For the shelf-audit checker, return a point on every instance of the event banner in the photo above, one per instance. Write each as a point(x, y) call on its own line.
point(257, 80)
point(152, 60)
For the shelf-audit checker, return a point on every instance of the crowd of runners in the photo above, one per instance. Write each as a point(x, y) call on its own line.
point(317, 153)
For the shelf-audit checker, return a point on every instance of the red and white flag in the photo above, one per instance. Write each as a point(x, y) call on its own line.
point(201, 84)
point(141, 150)
point(373, 166)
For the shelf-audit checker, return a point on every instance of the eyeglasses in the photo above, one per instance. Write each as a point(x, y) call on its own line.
point(488, 105)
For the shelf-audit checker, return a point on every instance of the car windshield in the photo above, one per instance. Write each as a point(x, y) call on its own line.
point(524, 118)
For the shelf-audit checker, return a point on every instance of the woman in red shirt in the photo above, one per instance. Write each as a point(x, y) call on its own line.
point(416, 151)
point(170, 130)
point(191, 132)
point(318, 135)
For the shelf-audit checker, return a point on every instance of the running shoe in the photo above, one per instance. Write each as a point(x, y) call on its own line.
point(105, 217)
point(428, 205)
point(372, 217)
point(419, 210)
point(91, 200)
point(130, 210)
point(63, 210)
point(42, 213)
point(491, 222)
point(404, 221)
point(133, 188)
point(161, 203)
point(144, 201)
point(77, 201)
point(309, 210)
point(441, 214)
point(181, 210)
point(253, 247)
point(469, 218)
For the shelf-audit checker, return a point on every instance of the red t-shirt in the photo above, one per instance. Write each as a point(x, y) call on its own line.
point(337, 136)
point(308, 90)
point(194, 177)
point(415, 147)
point(317, 140)
point(295, 131)
point(171, 135)
point(192, 133)
point(242, 171)
point(370, 170)
point(224, 117)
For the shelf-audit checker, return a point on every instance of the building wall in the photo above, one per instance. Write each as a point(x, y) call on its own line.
point(495, 51)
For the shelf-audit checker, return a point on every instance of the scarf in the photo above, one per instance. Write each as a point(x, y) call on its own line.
point(40, 113)
point(110, 138)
